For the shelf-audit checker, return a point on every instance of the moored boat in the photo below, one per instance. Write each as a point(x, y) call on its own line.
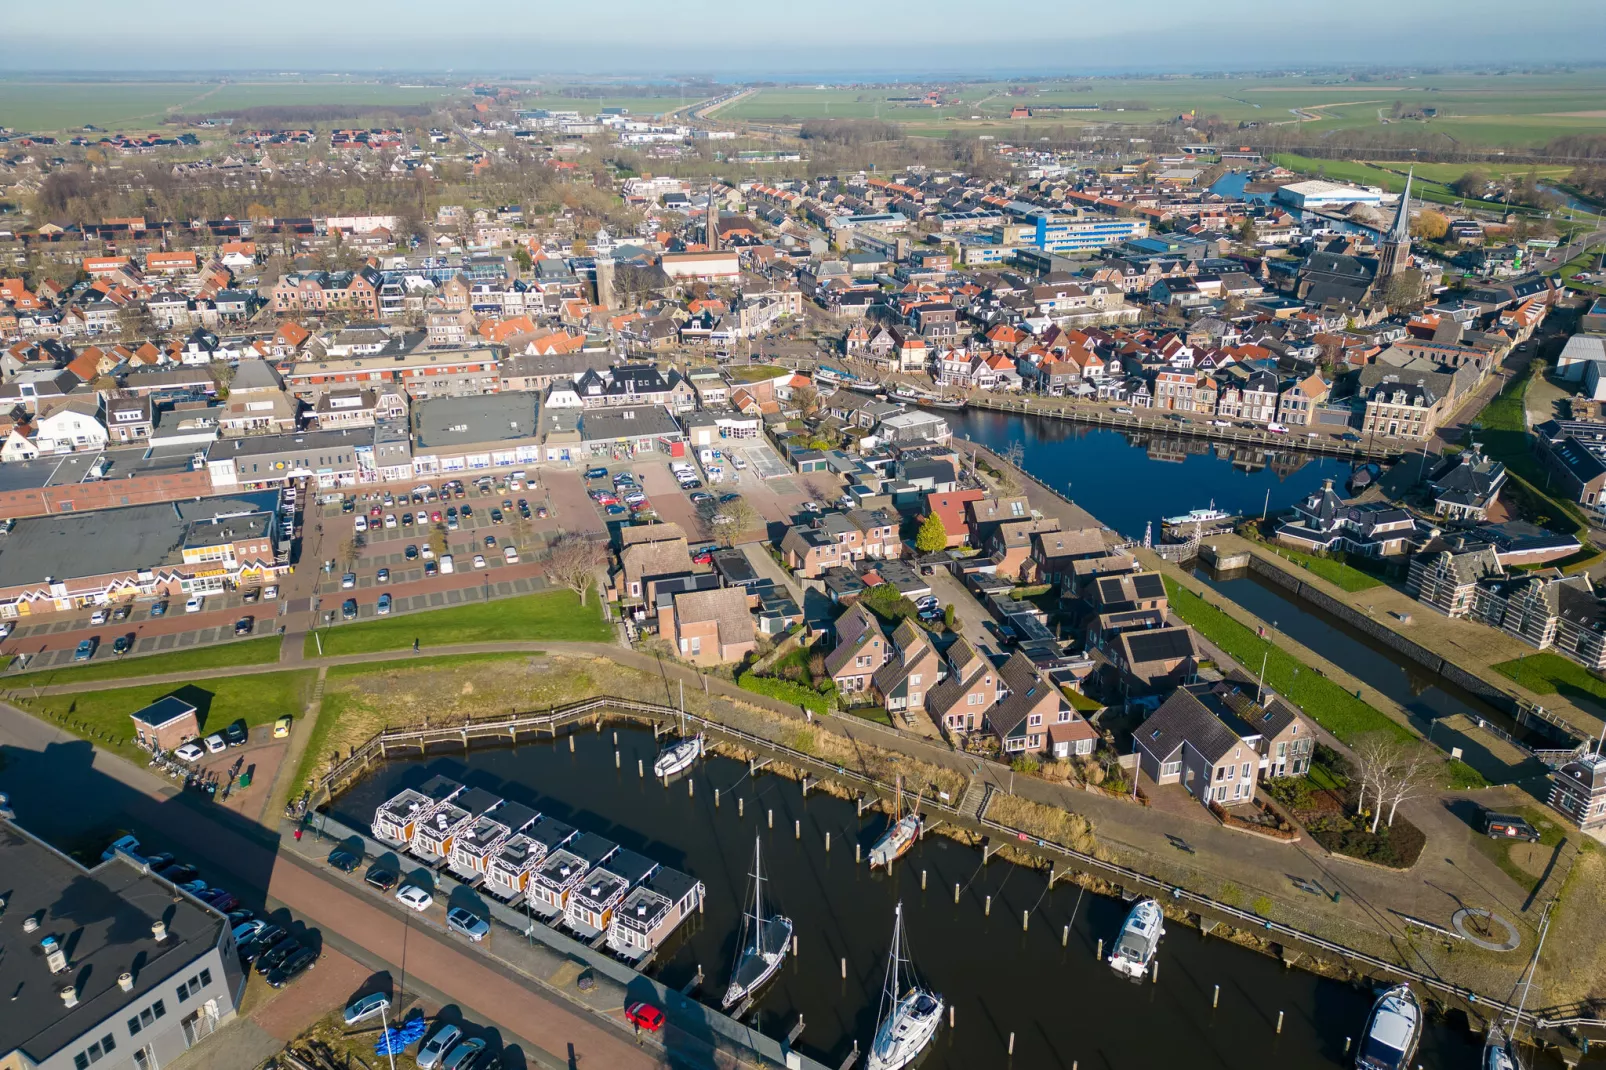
point(1392, 1031)
point(1139, 939)
point(900, 835)
point(678, 757)
point(1499, 1051)
point(1207, 516)
point(910, 1011)
point(764, 942)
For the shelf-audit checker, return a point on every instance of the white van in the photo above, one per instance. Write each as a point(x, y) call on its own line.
point(446, 563)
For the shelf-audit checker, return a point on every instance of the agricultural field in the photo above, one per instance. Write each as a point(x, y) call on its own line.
point(1519, 110)
point(44, 107)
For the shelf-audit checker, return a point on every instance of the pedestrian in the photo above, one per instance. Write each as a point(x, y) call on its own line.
point(298, 833)
point(415, 646)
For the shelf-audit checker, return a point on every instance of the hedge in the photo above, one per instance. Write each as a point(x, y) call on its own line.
point(785, 690)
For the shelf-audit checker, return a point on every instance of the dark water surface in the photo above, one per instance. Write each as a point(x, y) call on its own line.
point(1127, 479)
point(1063, 1006)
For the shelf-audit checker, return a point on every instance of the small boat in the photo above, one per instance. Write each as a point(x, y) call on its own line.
point(909, 1016)
point(1139, 939)
point(1392, 1031)
point(1212, 515)
point(942, 403)
point(677, 757)
point(764, 944)
point(1500, 1051)
point(900, 835)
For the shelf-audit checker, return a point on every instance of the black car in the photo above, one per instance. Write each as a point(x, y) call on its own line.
point(430, 568)
point(490, 542)
point(178, 873)
point(468, 510)
point(411, 553)
point(348, 609)
point(236, 734)
point(496, 516)
point(253, 948)
point(123, 644)
point(158, 860)
point(292, 967)
point(1509, 827)
point(239, 917)
point(343, 860)
point(524, 511)
point(274, 957)
point(382, 878)
point(244, 625)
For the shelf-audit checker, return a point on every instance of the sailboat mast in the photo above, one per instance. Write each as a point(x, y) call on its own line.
point(1533, 967)
point(758, 889)
point(895, 986)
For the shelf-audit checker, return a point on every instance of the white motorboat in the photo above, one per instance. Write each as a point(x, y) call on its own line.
point(678, 757)
point(1392, 1031)
point(910, 1012)
point(1139, 939)
point(1210, 515)
point(764, 943)
point(900, 835)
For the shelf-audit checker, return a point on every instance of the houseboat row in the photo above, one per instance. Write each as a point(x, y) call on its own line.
point(587, 884)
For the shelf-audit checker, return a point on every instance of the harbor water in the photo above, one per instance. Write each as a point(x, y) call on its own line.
point(1128, 479)
point(1063, 1007)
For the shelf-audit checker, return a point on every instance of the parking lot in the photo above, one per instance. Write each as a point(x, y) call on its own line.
point(54, 640)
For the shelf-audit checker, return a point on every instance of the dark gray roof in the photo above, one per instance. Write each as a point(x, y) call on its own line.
point(441, 423)
point(103, 919)
point(1183, 719)
point(162, 711)
point(1160, 644)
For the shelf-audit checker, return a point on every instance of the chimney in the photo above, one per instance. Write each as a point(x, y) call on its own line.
point(55, 956)
point(125, 981)
point(69, 995)
point(159, 930)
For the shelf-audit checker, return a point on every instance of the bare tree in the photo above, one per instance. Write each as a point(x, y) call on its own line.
point(1414, 775)
point(1390, 771)
point(731, 520)
point(573, 561)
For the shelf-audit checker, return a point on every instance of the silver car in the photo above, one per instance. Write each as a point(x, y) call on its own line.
point(429, 1055)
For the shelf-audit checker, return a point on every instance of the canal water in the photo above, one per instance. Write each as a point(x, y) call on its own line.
point(1065, 1008)
point(1128, 479)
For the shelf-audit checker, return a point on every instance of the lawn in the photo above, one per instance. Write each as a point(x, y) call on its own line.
point(1331, 569)
point(1332, 707)
point(554, 615)
point(1506, 853)
point(263, 651)
point(1545, 673)
point(752, 373)
point(102, 716)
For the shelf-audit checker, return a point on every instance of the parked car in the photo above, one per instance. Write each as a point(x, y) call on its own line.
point(465, 1056)
point(448, 564)
point(98, 617)
point(430, 569)
point(596, 473)
point(382, 576)
point(365, 1007)
point(348, 581)
point(194, 604)
point(252, 950)
point(468, 923)
point(159, 609)
point(177, 872)
point(270, 959)
point(270, 592)
point(244, 625)
point(413, 897)
point(701, 496)
point(292, 967)
point(190, 752)
point(246, 931)
point(1508, 827)
point(348, 609)
point(510, 554)
point(382, 878)
point(122, 613)
point(343, 860)
point(616, 510)
point(86, 649)
point(479, 560)
point(430, 1052)
point(216, 743)
point(220, 899)
point(646, 1016)
point(123, 643)
point(281, 727)
point(496, 516)
point(236, 733)
point(360, 525)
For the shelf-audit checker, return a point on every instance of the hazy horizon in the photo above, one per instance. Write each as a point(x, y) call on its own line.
point(834, 39)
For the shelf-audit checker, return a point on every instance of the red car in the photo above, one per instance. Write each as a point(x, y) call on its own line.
point(376, 512)
point(704, 558)
point(646, 1016)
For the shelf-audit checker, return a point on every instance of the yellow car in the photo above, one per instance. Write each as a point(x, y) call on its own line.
point(281, 727)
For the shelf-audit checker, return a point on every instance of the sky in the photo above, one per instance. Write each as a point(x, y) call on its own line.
point(755, 39)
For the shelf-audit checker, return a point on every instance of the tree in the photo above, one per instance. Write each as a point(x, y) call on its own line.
point(1390, 771)
point(1404, 290)
point(1246, 232)
point(1471, 184)
point(805, 398)
point(1430, 225)
point(350, 550)
point(437, 539)
point(933, 535)
point(522, 255)
point(573, 560)
point(731, 520)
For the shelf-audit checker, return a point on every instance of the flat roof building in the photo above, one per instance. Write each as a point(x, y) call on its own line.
point(106, 965)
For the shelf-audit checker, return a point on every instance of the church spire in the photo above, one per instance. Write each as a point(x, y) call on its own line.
point(1401, 230)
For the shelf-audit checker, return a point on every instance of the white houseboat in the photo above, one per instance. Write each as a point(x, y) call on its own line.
point(473, 850)
point(432, 839)
point(651, 912)
point(547, 891)
point(520, 854)
point(591, 905)
point(397, 818)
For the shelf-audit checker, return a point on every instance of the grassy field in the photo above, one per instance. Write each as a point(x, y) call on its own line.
point(1524, 862)
point(1332, 707)
point(1545, 673)
point(1342, 575)
point(132, 106)
point(102, 716)
point(261, 651)
point(1516, 109)
point(550, 615)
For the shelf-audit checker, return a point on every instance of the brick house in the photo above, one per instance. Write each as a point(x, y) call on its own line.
point(1155, 659)
point(838, 539)
point(711, 628)
point(906, 680)
point(648, 553)
point(166, 724)
point(1216, 741)
point(959, 704)
point(861, 649)
point(1030, 708)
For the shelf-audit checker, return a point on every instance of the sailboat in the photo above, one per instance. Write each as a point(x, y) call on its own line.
point(765, 941)
point(1499, 1049)
point(909, 1016)
point(900, 835)
point(677, 757)
point(1139, 939)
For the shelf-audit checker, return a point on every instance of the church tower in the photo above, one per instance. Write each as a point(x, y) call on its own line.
point(711, 225)
point(1394, 251)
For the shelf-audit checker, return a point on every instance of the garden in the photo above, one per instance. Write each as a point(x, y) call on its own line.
point(1324, 803)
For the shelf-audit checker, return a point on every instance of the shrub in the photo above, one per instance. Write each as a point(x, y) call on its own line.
point(1261, 906)
point(1029, 766)
point(818, 700)
point(885, 602)
point(1230, 894)
point(948, 616)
